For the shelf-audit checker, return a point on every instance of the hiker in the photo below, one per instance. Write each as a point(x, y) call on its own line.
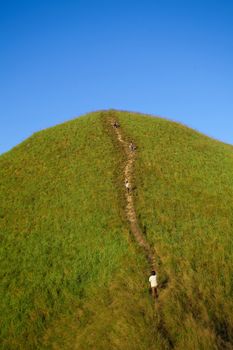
point(116, 124)
point(132, 146)
point(127, 185)
point(154, 284)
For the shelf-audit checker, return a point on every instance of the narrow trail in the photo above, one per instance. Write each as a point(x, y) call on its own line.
point(130, 208)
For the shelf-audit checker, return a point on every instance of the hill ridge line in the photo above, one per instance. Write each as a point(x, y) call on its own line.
point(130, 208)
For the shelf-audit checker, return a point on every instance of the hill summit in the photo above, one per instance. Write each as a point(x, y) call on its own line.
point(74, 275)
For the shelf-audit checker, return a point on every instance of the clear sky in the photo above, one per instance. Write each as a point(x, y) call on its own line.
point(61, 59)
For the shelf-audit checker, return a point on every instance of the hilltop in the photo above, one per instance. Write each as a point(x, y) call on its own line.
point(73, 274)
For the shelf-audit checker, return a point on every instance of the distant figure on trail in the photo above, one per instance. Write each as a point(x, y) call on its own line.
point(154, 284)
point(132, 146)
point(127, 185)
point(116, 124)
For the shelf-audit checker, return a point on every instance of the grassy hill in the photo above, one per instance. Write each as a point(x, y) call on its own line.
point(73, 277)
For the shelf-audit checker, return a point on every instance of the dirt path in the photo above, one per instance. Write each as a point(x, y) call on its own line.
point(130, 208)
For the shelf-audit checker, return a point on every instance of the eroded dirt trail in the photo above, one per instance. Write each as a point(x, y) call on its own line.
point(130, 208)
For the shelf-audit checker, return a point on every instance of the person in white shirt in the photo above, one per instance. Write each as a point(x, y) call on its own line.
point(154, 284)
point(127, 185)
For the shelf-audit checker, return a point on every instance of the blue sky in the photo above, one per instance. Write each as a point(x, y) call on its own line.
point(61, 59)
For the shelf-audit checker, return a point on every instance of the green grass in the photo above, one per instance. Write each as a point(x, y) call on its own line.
point(184, 201)
point(70, 276)
point(73, 277)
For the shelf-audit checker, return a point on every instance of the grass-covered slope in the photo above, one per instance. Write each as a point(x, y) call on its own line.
point(72, 277)
point(69, 276)
point(184, 201)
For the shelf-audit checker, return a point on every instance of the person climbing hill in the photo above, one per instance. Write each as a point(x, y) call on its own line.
point(116, 124)
point(154, 284)
point(127, 185)
point(132, 146)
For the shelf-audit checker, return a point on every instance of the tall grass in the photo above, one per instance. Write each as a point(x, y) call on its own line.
point(184, 201)
point(71, 277)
